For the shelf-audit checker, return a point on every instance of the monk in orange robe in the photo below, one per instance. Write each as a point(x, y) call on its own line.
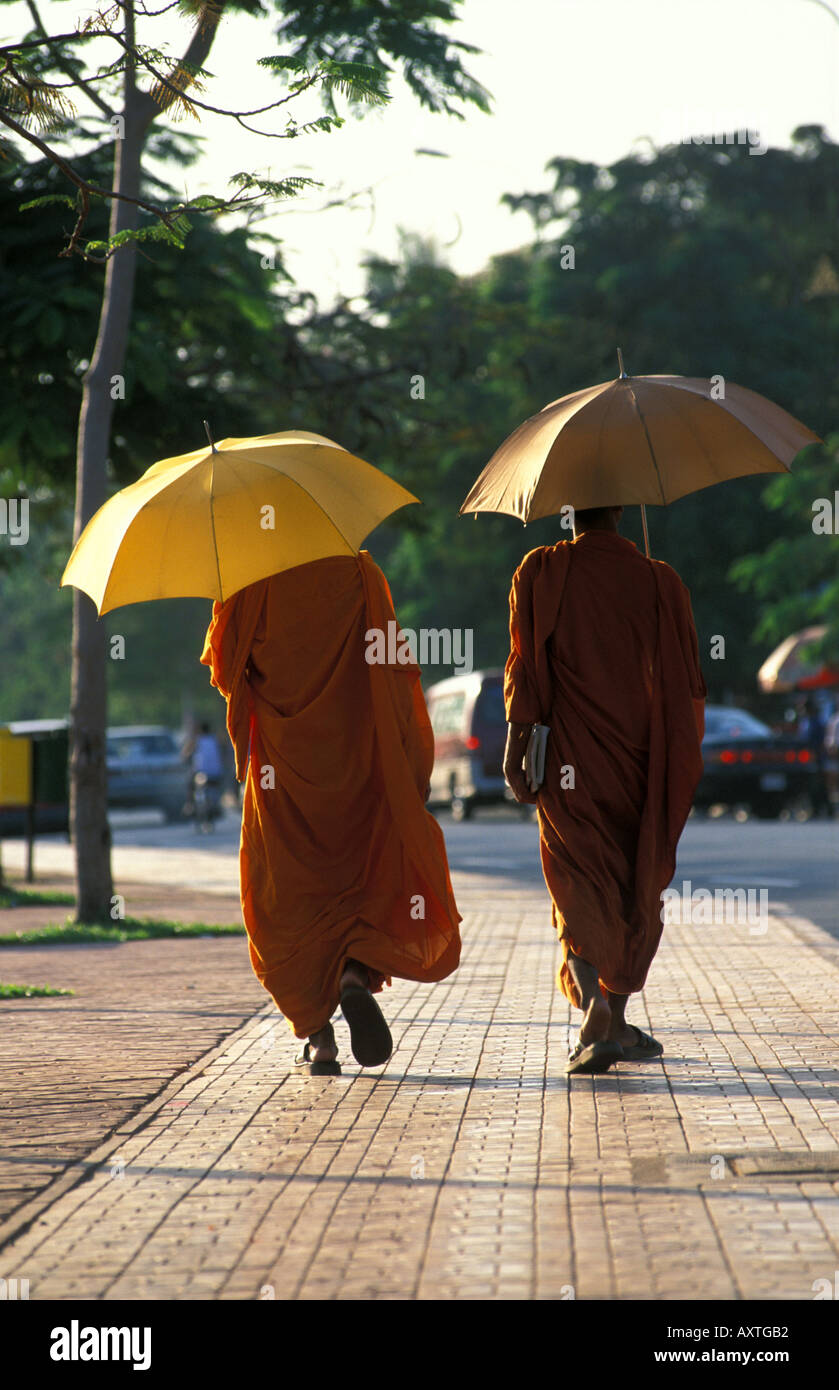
point(604, 652)
point(344, 877)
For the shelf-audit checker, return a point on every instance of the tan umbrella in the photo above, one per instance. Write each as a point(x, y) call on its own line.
point(636, 440)
point(788, 669)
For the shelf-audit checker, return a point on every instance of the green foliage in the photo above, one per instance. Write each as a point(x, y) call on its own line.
point(49, 309)
point(284, 63)
point(368, 34)
point(696, 260)
point(358, 82)
point(323, 124)
point(192, 355)
point(210, 340)
point(31, 897)
point(174, 232)
point(274, 188)
point(32, 103)
point(796, 578)
point(35, 632)
point(129, 929)
point(31, 991)
point(343, 51)
point(47, 200)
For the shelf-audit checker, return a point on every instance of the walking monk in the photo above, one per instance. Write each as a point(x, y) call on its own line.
point(344, 878)
point(604, 652)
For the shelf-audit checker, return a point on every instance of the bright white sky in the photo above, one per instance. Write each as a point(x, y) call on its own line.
point(591, 79)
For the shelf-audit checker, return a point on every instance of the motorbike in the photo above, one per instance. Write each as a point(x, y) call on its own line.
point(206, 801)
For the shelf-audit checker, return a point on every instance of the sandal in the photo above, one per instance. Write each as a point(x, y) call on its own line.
point(646, 1049)
point(593, 1058)
point(370, 1037)
point(304, 1059)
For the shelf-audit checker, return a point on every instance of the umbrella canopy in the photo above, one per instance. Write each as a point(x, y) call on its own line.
point(646, 439)
point(787, 669)
point(208, 523)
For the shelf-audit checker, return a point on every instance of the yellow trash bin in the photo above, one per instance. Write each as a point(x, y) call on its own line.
point(15, 769)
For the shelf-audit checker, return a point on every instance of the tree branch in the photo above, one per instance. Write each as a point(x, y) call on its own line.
point(152, 14)
point(85, 188)
point(74, 37)
point(177, 92)
point(168, 216)
point(66, 169)
point(197, 50)
point(140, 109)
point(117, 66)
point(65, 67)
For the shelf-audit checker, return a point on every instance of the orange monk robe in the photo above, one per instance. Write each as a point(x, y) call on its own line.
point(339, 857)
point(604, 651)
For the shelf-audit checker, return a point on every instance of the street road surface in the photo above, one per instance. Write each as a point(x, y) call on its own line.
point(798, 865)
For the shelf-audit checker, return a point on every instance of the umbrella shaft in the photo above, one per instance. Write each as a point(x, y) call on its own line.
point(646, 532)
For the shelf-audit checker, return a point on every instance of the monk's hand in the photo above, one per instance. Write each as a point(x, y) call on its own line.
point(517, 736)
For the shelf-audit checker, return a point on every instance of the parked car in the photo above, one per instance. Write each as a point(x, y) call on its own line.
point(746, 764)
point(470, 731)
point(145, 768)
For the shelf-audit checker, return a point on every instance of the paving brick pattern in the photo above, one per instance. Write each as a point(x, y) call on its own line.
point(73, 1069)
point(470, 1167)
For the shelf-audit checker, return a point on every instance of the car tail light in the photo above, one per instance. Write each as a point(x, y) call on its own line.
point(728, 755)
point(747, 755)
point(472, 743)
point(803, 755)
point(789, 756)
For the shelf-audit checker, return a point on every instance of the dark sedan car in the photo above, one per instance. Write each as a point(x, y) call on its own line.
point(145, 768)
point(747, 765)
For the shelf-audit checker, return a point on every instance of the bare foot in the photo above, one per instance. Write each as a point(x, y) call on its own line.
point(322, 1046)
point(355, 974)
point(596, 1024)
point(623, 1033)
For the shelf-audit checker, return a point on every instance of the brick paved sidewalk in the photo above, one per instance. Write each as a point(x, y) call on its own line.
point(72, 1070)
point(470, 1167)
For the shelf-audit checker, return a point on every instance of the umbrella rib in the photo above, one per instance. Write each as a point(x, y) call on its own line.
point(213, 525)
point(611, 399)
point(649, 444)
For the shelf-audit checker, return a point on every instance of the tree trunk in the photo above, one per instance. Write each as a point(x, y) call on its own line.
point(88, 715)
point(88, 773)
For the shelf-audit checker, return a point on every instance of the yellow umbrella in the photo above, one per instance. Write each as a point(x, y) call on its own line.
point(207, 523)
point(636, 440)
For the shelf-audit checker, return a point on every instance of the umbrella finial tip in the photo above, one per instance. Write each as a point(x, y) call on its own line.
point(623, 371)
point(210, 437)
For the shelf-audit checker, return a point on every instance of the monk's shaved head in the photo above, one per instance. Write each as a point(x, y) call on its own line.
point(596, 519)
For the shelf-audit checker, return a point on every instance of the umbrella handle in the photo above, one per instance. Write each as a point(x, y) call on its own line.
point(646, 532)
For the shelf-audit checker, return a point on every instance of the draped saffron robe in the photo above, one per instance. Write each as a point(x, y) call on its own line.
point(338, 856)
point(604, 651)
